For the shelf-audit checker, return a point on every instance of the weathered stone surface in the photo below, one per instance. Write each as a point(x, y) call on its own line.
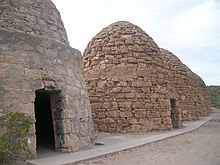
point(34, 18)
point(192, 94)
point(140, 81)
point(35, 56)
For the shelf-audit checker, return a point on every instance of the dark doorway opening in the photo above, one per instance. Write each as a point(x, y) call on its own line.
point(44, 121)
point(174, 114)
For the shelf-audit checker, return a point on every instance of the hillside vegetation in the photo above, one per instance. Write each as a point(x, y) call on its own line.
point(214, 91)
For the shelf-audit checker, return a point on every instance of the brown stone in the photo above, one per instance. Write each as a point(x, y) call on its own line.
point(101, 115)
point(126, 90)
point(101, 84)
point(130, 95)
point(135, 128)
point(97, 105)
point(140, 114)
point(133, 120)
point(126, 114)
point(132, 60)
point(114, 105)
point(106, 105)
point(116, 89)
point(108, 120)
point(112, 129)
point(138, 105)
point(112, 114)
point(4, 72)
point(143, 83)
point(103, 128)
point(125, 104)
point(40, 74)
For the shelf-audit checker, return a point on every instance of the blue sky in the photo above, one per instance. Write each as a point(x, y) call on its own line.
point(188, 28)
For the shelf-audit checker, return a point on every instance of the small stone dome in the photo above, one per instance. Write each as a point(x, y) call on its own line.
point(37, 17)
point(135, 86)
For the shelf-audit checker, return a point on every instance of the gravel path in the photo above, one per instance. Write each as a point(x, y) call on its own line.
point(199, 147)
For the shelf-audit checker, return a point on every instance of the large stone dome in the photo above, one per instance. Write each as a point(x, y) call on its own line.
point(41, 76)
point(35, 17)
point(134, 86)
point(122, 66)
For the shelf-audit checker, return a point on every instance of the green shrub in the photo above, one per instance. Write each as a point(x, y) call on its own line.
point(214, 92)
point(14, 128)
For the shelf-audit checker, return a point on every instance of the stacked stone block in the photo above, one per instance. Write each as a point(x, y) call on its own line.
point(35, 55)
point(35, 17)
point(192, 94)
point(131, 82)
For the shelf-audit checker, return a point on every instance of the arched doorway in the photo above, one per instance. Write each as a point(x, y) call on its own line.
point(45, 127)
point(174, 114)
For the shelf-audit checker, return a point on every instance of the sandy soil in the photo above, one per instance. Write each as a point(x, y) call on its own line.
point(199, 147)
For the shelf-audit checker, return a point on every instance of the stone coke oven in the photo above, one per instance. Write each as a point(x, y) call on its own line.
point(41, 76)
point(134, 86)
point(193, 97)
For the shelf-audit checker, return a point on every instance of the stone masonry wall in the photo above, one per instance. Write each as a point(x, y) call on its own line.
point(131, 82)
point(30, 63)
point(192, 94)
point(35, 17)
point(125, 77)
point(35, 57)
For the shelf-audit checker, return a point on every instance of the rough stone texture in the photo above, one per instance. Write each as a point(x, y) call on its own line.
point(133, 83)
point(193, 96)
point(35, 17)
point(43, 61)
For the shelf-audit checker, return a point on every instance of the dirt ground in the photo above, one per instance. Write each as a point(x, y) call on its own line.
point(199, 147)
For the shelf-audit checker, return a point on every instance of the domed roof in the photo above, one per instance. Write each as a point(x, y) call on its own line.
point(35, 17)
point(131, 81)
point(172, 61)
point(120, 38)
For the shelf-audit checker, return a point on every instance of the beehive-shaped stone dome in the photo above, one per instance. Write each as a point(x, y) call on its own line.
point(133, 84)
point(37, 17)
point(41, 76)
point(117, 45)
point(193, 98)
point(124, 72)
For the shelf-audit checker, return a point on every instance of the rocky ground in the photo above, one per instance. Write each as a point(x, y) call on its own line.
point(199, 147)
